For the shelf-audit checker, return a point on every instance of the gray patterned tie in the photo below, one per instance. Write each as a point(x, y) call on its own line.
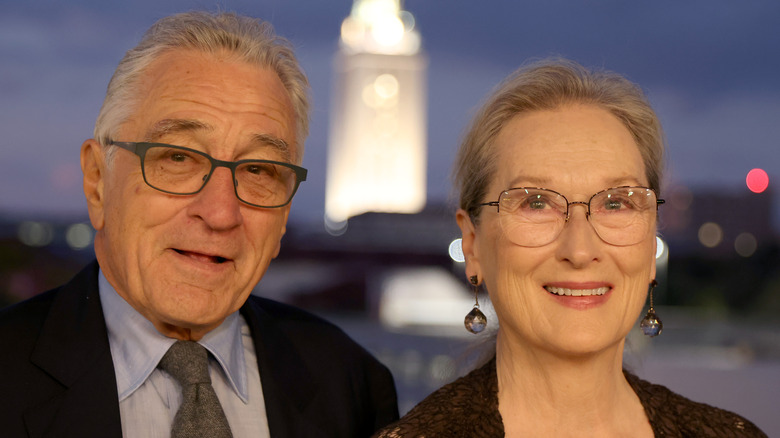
point(200, 414)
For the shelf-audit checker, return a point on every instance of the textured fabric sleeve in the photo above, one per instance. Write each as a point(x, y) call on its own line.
point(672, 415)
point(467, 407)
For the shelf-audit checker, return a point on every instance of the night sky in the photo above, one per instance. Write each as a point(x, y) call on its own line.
point(711, 69)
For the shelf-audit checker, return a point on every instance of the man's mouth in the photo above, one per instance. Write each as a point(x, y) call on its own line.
point(202, 257)
point(576, 292)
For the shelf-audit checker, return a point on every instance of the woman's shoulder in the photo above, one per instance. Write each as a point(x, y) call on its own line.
point(671, 414)
point(467, 407)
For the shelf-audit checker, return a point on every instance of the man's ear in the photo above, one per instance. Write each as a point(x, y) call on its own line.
point(468, 243)
point(279, 242)
point(282, 231)
point(93, 166)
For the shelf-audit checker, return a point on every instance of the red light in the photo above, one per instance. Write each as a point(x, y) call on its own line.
point(757, 180)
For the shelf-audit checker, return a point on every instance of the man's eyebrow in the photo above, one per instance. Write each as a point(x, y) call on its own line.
point(169, 126)
point(277, 143)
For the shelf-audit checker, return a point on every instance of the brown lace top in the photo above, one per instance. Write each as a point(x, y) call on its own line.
point(468, 407)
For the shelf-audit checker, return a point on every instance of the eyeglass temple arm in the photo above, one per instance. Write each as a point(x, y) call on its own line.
point(132, 147)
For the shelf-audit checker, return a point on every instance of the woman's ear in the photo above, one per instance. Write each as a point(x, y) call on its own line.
point(654, 261)
point(468, 242)
point(93, 167)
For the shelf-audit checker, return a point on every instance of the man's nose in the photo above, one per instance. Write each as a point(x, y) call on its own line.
point(217, 203)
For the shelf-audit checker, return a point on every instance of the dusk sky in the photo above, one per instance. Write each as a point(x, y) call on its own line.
point(711, 69)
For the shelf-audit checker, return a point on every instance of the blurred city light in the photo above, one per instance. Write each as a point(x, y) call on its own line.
point(428, 299)
point(745, 244)
point(35, 233)
point(660, 248)
point(661, 254)
point(335, 228)
point(757, 180)
point(710, 234)
point(381, 27)
point(377, 147)
point(79, 236)
point(456, 251)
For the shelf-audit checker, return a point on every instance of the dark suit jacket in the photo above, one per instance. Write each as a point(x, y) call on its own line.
point(57, 375)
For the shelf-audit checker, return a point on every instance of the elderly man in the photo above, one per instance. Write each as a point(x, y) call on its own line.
point(188, 183)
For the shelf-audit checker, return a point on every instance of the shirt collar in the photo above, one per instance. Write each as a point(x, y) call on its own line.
point(137, 346)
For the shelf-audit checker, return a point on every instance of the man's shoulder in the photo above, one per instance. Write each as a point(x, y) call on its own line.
point(28, 311)
point(283, 326)
point(293, 319)
point(285, 311)
point(21, 323)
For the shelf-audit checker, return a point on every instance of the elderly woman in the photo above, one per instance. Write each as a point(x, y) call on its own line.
point(559, 181)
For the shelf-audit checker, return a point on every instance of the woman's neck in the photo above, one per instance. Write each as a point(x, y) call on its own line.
point(544, 393)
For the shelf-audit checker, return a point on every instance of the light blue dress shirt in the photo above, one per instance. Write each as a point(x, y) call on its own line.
point(149, 398)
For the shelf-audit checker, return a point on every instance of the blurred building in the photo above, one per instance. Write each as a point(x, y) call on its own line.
point(377, 144)
point(719, 223)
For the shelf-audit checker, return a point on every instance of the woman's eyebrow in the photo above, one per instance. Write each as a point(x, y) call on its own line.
point(528, 181)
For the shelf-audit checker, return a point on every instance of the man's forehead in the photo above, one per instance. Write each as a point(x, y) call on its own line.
point(165, 127)
point(180, 77)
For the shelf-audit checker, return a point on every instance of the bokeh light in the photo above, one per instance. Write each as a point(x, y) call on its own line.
point(386, 86)
point(79, 236)
point(335, 227)
point(757, 180)
point(35, 234)
point(710, 234)
point(745, 244)
point(456, 251)
point(660, 247)
point(388, 31)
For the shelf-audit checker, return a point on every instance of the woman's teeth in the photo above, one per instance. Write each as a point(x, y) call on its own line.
point(577, 292)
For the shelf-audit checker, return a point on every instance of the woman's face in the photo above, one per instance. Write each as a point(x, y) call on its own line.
point(577, 151)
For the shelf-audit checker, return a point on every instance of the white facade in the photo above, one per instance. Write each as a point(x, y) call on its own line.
point(377, 143)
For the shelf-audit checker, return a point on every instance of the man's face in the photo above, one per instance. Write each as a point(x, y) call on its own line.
point(186, 262)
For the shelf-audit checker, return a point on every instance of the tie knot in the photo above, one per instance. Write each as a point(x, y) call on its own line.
point(187, 362)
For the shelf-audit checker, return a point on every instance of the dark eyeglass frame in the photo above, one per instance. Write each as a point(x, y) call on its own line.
point(496, 204)
point(140, 149)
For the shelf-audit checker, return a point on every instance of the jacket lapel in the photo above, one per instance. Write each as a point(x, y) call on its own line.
point(288, 387)
point(73, 350)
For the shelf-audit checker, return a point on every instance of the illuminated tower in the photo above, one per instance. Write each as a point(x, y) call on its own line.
point(377, 146)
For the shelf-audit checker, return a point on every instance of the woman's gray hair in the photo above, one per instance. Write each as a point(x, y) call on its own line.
point(546, 85)
point(252, 40)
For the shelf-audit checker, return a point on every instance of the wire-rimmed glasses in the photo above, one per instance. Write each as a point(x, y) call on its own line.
point(534, 217)
point(183, 171)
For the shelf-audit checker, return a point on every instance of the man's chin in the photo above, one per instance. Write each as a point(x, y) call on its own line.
point(181, 318)
point(190, 330)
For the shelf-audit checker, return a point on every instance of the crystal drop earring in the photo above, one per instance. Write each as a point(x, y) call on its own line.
point(651, 324)
point(475, 321)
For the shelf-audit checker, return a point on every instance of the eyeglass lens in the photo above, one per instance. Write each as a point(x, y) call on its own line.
point(180, 171)
point(535, 217)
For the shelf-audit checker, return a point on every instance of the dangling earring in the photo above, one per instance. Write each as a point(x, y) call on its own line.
point(651, 324)
point(475, 321)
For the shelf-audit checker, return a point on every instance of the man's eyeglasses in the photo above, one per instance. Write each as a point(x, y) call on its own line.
point(183, 171)
point(534, 217)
